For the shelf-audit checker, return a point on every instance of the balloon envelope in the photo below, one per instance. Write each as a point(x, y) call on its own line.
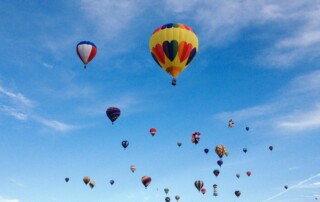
point(220, 162)
point(92, 184)
point(166, 190)
point(153, 131)
point(86, 180)
point(133, 168)
point(167, 199)
point(146, 180)
point(248, 173)
point(206, 150)
point(113, 113)
point(221, 151)
point(203, 190)
point(177, 197)
point(86, 51)
point(66, 179)
point(198, 184)
point(111, 182)
point(270, 148)
point(237, 193)
point(216, 172)
point(173, 47)
point(125, 144)
point(179, 144)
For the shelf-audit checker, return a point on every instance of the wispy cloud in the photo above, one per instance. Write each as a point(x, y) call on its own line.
point(19, 184)
point(21, 108)
point(299, 184)
point(5, 199)
point(295, 108)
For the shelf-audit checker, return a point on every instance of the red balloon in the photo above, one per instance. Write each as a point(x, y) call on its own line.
point(153, 131)
point(248, 173)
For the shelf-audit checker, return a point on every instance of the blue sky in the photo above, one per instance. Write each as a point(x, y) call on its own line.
point(258, 63)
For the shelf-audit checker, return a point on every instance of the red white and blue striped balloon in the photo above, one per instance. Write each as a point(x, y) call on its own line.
point(86, 51)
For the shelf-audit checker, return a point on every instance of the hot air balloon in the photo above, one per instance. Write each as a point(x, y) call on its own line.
point(173, 47)
point(179, 144)
point(167, 199)
point(153, 131)
point(215, 190)
point(113, 113)
point(245, 150)
point(237, 193)
point(66, 179)
point(92, 184)
point(125, 143)
point(146, 180)
point(231, 123)
point(220, 162)
point(270, 148)
point(216, 172)
point(221, 150)
point(86, 51)
point(199, 184)
point(238, 175)
point(111, 182)
point(206, 150)
point(133, 168)
point(195, 138)
point(203, 190)
point(177, 197)
point(248, 173)
point(86, 180)
point(286, 186)
point(166, 190)
point(247, 128)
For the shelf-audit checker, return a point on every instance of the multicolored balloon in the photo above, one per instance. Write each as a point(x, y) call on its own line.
point(173, 47)
point(113, 113)
point(231, 123)
point(195, 137)
point(146, 180)
point(125, 143)
point(153, 131)
point(215, 190)
point(198, 184)
point(221, 151)
point(86, 51)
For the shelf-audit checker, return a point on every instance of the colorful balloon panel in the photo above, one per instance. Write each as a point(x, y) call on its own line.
point(86, 51)
point(198, 184)
point(146, 180)
point(173, 47)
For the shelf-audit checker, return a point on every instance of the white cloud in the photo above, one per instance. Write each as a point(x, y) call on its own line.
point(56, 125)
point(16, 97)
point(46, 65)
point(295, 109)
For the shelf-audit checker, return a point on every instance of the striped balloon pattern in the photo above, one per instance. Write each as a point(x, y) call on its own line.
point(86, 51)
point(113, 113)
point(173, 47)
point(198, 184)
point(215, 190)
point(146, 180)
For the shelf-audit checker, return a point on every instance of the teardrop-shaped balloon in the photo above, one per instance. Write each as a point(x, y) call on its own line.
point(237, 193)
point(146, 180)
point(86, 180)
point(111, 182)
point(177, 197)
point(153, 131)
point(221, 151)
point(166, 190)
point(133, 168)
point(125, 144)
point(179, 144)
point(248, 173)
point(167, 199)
point(247, 128)
point(216, 172)
point(238, 175)
point(206, 150)
point(203, 190)
point(66, 179)
point(198, 184)
point(245, 150)
point(270, 148)
point(86, 51)
point(220, 162)
point(113, 113)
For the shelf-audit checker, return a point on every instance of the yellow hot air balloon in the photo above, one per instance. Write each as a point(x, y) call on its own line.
point(173, 46)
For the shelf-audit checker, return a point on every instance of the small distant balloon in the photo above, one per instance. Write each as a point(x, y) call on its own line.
point(146, 180)
point(125, 144)
point(133, 168)
point(66, 179)
point(237, 193)
point(220, 162)
point(167, 199)
point(179, 144)
point(231, 123)
point(92, 184)
point(216, 172)
point(203, 190)
point(245, 150)
point(177, 197)
point(238, 175)
point(286, 186)
point(86, 180)
point(198, 184)
point(111, 182)
point(270, 148)
point(153, 131)
point(166, 190)
point(248, 173)
point(206, 150)
point(113, 113)
point(247, 128)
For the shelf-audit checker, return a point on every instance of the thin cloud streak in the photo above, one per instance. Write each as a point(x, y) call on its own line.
point(293, 187)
